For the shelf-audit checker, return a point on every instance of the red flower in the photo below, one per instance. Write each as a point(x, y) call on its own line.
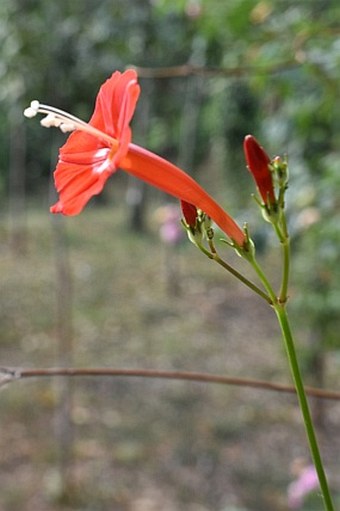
point(96, 149)
point(258, 164)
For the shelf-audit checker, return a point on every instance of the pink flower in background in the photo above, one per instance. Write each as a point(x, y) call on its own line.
point(170, 229)
point(306, 482)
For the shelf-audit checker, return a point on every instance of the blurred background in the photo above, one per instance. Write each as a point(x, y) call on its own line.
point(119, 286)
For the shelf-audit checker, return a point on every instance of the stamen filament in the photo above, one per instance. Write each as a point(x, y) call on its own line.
point(60, 114)
point(69, 120)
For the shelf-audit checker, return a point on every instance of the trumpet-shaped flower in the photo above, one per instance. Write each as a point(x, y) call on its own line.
point(95, 150)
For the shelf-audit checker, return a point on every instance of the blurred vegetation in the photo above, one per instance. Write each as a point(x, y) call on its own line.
point(266, 67)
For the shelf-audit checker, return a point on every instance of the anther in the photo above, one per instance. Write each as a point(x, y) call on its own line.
point(32, 110)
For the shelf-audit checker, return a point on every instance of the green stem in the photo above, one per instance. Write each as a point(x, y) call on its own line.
point(283, 236)
point(264, 280)
point(295, 370)
point(215, 257)
point(243, 279)
point(278, 304)
point(279, 307)
point(285, 273)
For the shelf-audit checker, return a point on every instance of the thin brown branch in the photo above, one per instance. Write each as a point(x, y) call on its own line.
point(11, 374)
point(190, 70)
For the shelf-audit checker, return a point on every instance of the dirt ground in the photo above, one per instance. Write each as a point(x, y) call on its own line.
point(131, 444)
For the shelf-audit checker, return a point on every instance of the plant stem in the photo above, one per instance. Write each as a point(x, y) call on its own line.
point(281, 313)
point(283, 236)
point(278, 303)
point(295, 370)
point(215, 257)
point(264, 280)
point(241, 277)
point(285, 273)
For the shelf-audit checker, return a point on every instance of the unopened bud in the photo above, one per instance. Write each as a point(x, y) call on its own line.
point(190, 213)
point(258, 163)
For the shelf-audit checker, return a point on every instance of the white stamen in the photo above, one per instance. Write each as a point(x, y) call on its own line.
point(32, 110)
point(50, 121)
point(65, 121)
point(35, 104)
point(66, 127)
point(29, 112)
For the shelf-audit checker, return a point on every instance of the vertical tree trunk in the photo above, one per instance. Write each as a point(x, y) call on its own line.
point(64, 358)
point(191, 110)
point(16, 184)
point(136, 196)
point(136, 201)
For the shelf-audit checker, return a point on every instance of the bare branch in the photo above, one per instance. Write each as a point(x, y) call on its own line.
point(190, 70)
point(8, 375)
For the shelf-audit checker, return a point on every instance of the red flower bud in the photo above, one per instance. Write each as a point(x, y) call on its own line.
point(258, 164)
point(189, 212)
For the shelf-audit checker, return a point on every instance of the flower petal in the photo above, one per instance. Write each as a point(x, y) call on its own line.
point(80, 142)
point(115, 106)
point(77, 182)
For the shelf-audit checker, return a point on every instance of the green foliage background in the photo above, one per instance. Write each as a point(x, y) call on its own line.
point(277, 76)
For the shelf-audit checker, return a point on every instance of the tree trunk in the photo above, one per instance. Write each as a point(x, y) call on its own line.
point(16, 184)
point(64, 358)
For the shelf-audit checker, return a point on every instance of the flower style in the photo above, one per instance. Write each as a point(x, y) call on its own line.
point(258, 164)
point(95, 150)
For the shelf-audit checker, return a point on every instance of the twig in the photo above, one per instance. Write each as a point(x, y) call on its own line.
point(8, 375)
point(190, 70)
